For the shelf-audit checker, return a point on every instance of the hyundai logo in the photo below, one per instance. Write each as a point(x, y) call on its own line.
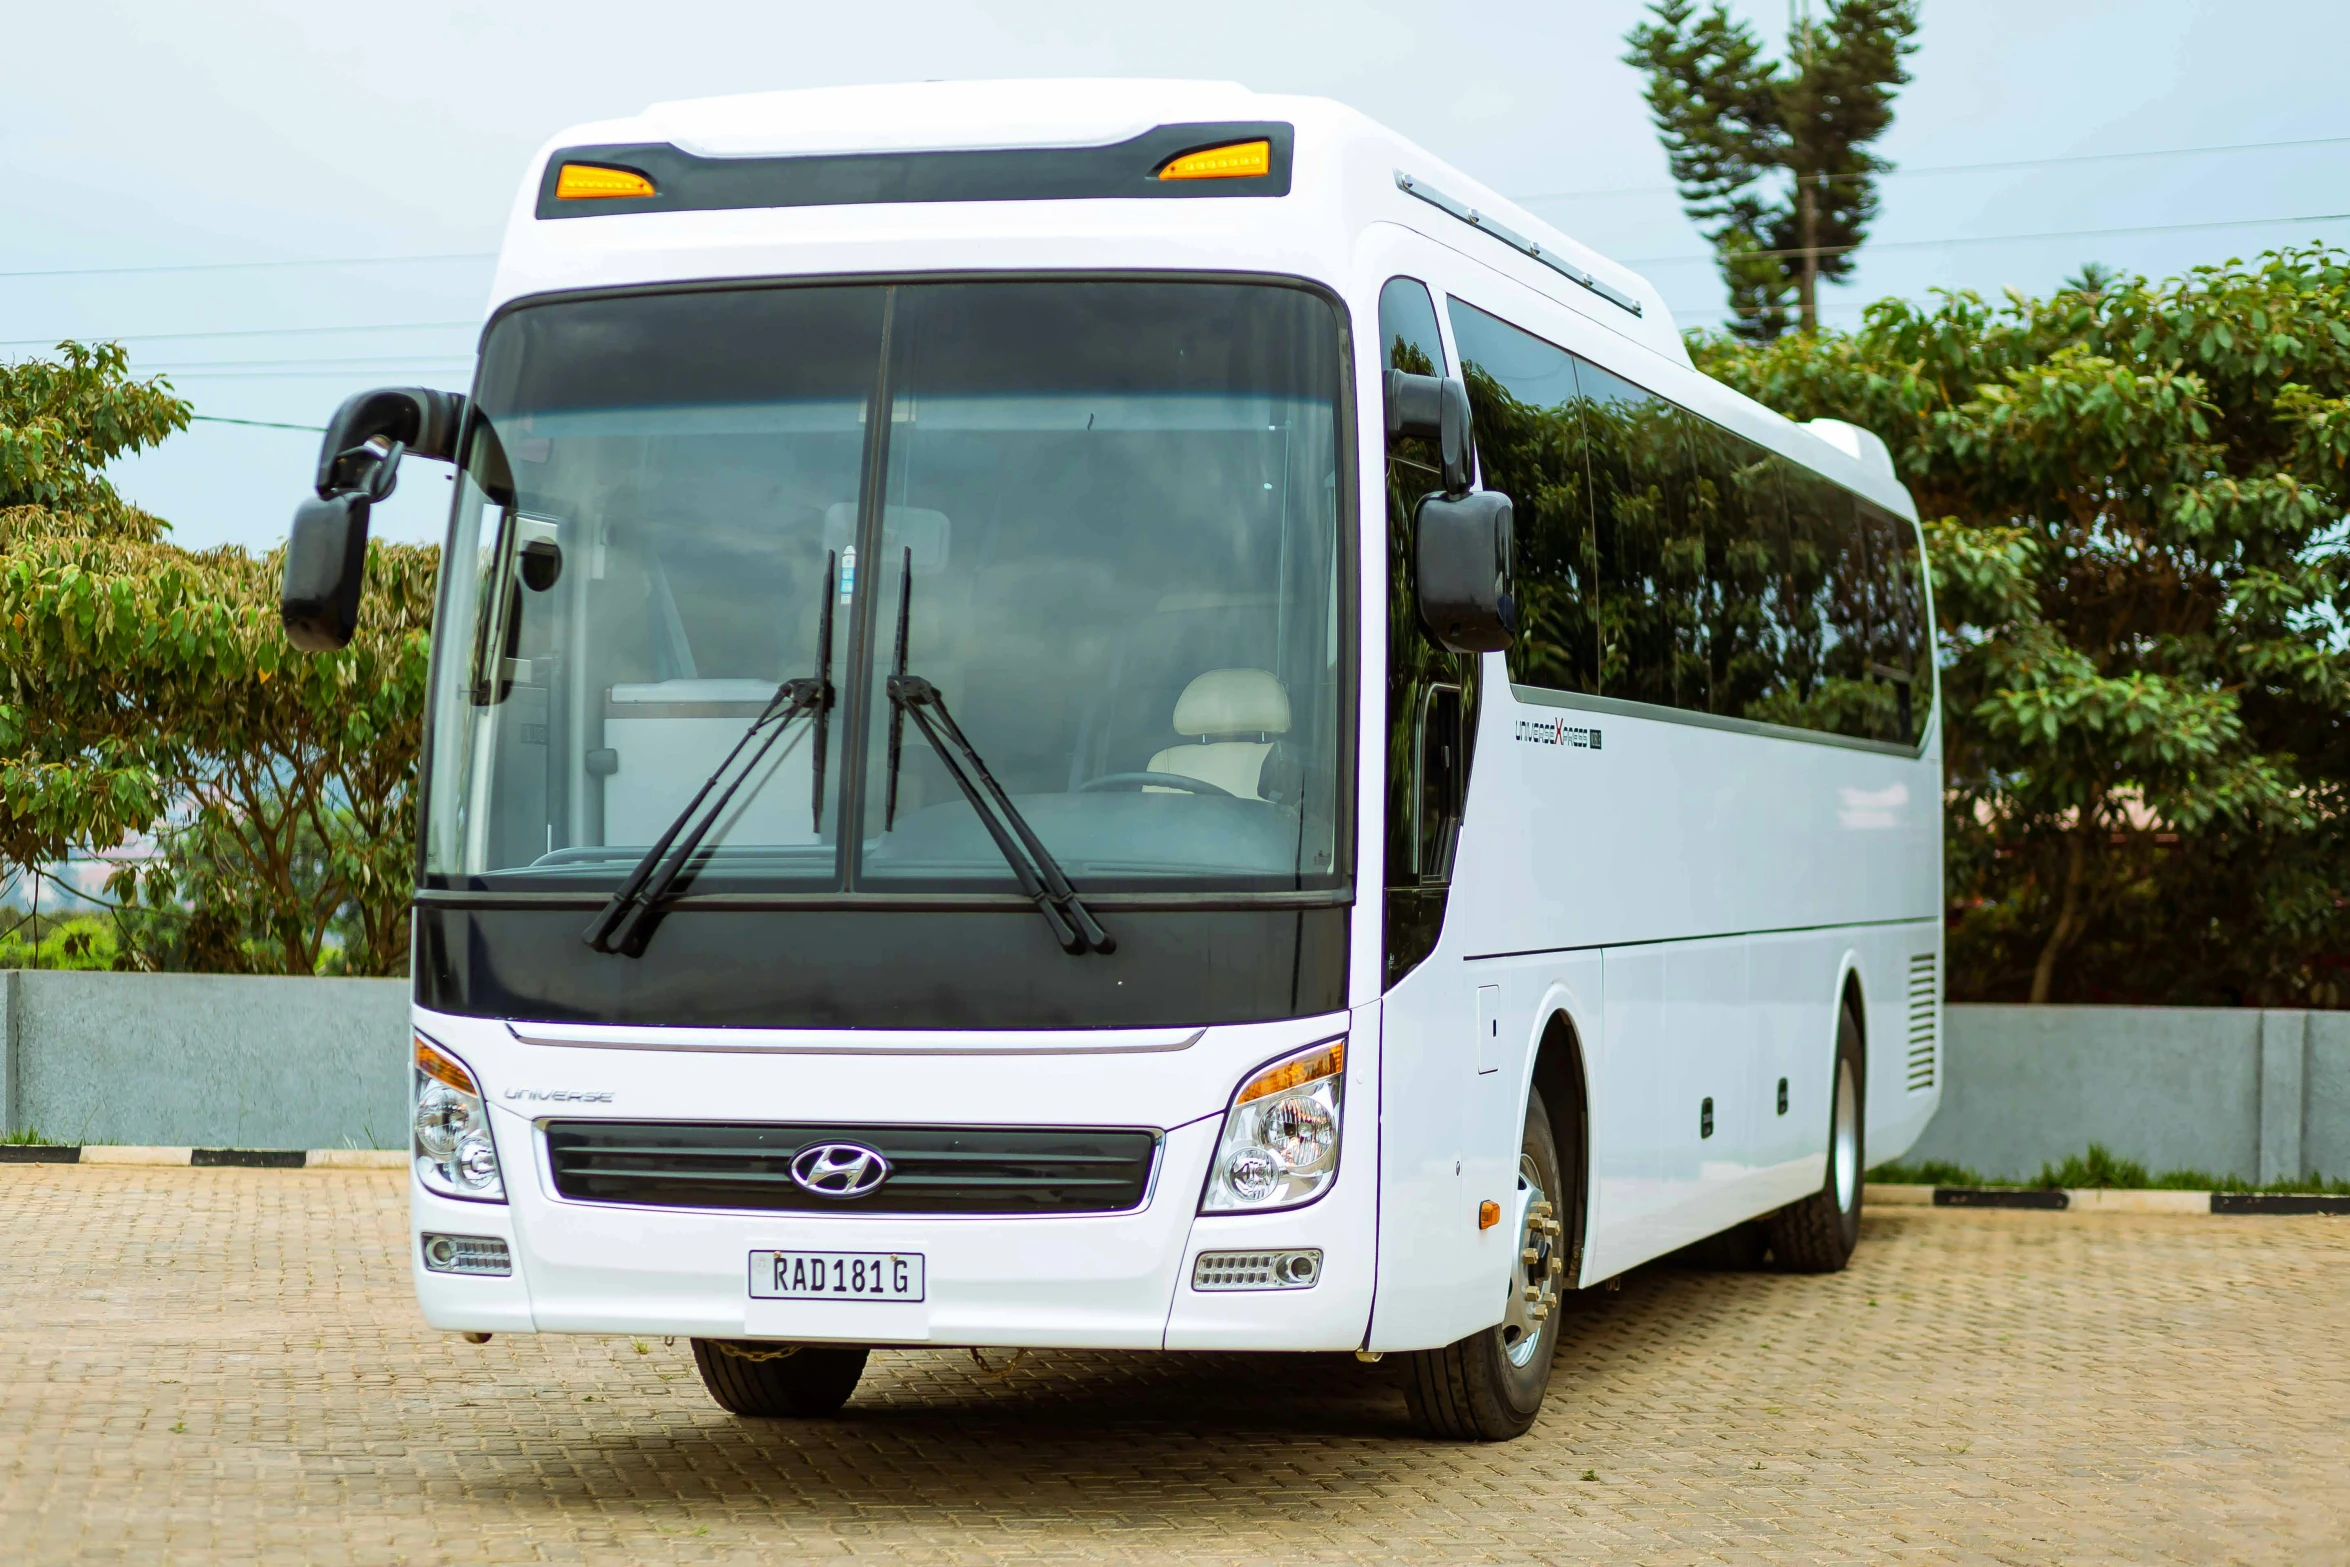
point(839, 1170)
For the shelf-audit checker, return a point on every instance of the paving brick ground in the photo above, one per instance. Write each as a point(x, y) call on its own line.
point(225, 1365)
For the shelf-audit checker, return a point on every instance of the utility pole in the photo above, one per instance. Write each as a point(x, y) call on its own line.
point(1807, 201)
point(1807, 217)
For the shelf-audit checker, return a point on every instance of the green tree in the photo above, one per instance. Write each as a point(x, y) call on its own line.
point(1772, 157)
point(148, 691)
point(2136, 495)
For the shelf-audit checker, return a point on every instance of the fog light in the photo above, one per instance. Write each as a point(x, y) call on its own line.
point(466, 1254)
point(1257, 1270)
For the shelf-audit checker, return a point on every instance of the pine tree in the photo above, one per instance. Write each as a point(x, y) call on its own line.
point(1771, 156)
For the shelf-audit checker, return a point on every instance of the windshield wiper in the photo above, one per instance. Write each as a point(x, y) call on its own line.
point(625, 924)
point(1039, 874)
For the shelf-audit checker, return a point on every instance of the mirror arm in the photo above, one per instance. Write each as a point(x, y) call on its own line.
point(358, 463)
point(369, 433)
point(1434, 408)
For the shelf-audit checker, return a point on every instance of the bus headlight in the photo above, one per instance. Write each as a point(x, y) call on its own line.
point(453, 1150)
point(1280, 1143)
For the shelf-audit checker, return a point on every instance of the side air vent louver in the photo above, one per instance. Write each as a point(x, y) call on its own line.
point(1923, 1017)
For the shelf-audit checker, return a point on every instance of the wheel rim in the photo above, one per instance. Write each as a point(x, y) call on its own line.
point(1847, 1149)
point(1534, 1280)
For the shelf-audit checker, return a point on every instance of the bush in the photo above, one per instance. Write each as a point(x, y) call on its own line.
point(2134, 496)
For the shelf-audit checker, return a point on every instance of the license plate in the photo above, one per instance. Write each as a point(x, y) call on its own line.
point(836, 1275)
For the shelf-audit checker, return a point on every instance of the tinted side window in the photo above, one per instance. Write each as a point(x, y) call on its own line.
point(1651, 552)
point(1901, 645)
point(1743, 524)
point(1665, 559)
point(1824, 658)
point(1408, 339)
point(1524, 396)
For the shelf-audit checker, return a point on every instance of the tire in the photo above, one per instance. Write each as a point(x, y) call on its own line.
point(1488, 1387)
point(1818, 1234)
point(784, 1381)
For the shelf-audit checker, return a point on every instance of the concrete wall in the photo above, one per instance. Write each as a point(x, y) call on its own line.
point(2260, 1095)
point(231, 1061)
point(205, 1060)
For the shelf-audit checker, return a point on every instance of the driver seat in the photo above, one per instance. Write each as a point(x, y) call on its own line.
point(1233, 717)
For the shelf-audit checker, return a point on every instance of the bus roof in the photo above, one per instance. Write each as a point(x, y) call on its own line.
point(1348, 172)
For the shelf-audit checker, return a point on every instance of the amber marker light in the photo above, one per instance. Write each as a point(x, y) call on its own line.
point(1297, 1071)
point(1242, 160)
point(1488, 1215)
point(592, 182)
point(441, 1069)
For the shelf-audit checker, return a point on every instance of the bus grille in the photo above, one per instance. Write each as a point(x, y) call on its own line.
point(1921, 1021)
point(933, 1169)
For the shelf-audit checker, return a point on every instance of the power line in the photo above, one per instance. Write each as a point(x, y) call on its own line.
point(2002, 239)
point(279, 375)
point(251, 266)
point(353, 362)
point(258, 424)
point(261, 331)
point(1966, 168)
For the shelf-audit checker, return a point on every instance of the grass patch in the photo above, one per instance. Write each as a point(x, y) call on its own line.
point(26, 1137)
point(1929, 1172)
point(2101, 1169)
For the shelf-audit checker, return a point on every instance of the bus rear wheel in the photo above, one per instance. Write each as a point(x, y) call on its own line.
point(1488, 1387)
point(788, 1381)
point(1818, 1234)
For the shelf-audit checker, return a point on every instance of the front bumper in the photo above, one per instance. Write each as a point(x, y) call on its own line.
point(1091, 1281)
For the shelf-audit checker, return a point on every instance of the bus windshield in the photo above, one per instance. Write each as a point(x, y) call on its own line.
point(1099, 518)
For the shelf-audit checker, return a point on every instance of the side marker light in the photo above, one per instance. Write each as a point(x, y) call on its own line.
point(591, 182)
point(1242, 160)
point(1488, 1215)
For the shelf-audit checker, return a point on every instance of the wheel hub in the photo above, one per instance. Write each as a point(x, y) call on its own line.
point(1534, 1280)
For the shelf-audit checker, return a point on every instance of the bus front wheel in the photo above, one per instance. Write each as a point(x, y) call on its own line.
point(1488, 1387)
point(803, 1381)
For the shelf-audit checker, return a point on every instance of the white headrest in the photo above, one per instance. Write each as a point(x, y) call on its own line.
point(1233, 702)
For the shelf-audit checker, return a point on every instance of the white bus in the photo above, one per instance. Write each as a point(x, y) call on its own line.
point(1129, 715)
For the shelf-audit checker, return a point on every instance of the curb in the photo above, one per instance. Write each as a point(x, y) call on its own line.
point(207, 1158)
point(2091, 1200)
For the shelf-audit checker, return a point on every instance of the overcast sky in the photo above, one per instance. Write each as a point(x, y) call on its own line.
point(159, 152)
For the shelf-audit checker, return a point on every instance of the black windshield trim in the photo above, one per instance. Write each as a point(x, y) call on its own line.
point(1126, 170)
point(1350, 570)
point(976, 902)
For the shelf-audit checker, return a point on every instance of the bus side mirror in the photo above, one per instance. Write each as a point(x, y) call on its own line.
point(1462, 553)
point(1435, 408)
point(358, 464)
